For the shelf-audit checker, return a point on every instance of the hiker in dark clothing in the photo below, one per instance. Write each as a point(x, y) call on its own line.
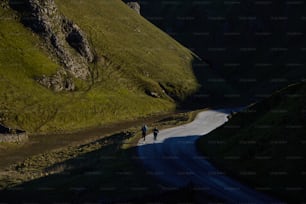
point(144, 131)
point(155, 133)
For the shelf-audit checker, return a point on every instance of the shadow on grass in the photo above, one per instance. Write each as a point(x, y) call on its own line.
point(215, 91)
point(263, 145)
point(107, 175)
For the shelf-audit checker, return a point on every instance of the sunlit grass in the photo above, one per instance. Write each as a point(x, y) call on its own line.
point(133, 57)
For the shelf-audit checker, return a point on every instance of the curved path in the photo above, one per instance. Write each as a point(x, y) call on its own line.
point(174, 161)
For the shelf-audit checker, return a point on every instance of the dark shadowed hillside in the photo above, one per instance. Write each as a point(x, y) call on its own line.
point(256, 46)
point(265, 144)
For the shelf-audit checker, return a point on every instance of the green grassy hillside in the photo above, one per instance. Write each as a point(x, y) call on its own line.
point(133, 57)
point(265, 145)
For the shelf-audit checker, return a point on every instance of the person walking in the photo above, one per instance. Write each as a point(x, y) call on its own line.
point(155, 133)
point(144, 131)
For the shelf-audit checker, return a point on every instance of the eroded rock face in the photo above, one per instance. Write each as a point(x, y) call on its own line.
point(134, 5)
point(61, 35)
point(57, 82)
point(77, 39)
point(4, 4)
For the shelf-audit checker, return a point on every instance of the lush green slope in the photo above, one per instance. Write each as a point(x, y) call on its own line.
point(133, 57)
point(265, 145)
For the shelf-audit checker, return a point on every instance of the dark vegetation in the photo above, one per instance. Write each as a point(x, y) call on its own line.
point(104, 168)
point(107, 174)
point(251, 48)
point(264, 145)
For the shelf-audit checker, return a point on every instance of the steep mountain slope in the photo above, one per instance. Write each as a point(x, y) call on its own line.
point(265, 145)
point(136, 70)
point(255, 46)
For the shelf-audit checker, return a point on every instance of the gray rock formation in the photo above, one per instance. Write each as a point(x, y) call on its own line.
point(57, 82)
point(77, 39)
point(63, 38)
point(4, 4)
point(134, 5)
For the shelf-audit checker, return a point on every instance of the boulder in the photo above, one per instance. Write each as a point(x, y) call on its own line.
point(134, 5)
point(57, 82)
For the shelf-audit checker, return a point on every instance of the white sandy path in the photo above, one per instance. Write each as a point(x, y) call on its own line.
point(174, 161)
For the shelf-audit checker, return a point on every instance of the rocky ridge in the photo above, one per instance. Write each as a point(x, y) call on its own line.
point(63, 38)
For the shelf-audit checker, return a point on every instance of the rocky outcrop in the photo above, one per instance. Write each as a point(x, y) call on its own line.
point(4, 4)
point(77, 39)
point(63, 37)
point(134, 5)
point(58, 82)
